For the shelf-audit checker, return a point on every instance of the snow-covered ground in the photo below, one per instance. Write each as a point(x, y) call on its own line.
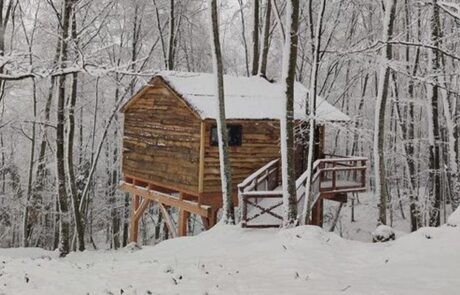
point(365, 221)
point(231, 260)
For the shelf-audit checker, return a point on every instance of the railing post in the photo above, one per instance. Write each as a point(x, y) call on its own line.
point(334, 175)
point(363, 173)
point(321, 177)
point(277, 172)
point(245, 212)
point(266, 178)
point(355, 173)
point(240, 201)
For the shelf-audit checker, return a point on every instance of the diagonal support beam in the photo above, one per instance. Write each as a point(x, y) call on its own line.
point(144, 204)
point(168, 220)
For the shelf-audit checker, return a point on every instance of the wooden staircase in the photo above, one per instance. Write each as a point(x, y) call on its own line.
point(261, 196)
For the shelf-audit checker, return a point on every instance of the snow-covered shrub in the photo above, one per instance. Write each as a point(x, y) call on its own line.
point(383, 233)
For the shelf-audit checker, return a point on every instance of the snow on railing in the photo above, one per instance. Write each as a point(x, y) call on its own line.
point(330, 176)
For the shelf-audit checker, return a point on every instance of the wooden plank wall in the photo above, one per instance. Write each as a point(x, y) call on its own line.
point(260, 144)
point(161, 141)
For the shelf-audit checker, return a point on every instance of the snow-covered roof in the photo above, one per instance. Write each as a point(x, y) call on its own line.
point(245, 97)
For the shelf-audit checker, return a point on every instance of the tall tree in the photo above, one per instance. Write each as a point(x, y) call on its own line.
point(222, 133)
point(433, 115)
point(380, 110)
point(287, 120)
point(311, 109)
point(265, 40)
point(243, 35)
point(170, 59)
point(75, 196)
point(255, 38)
point(64, 220)
point(409, 131)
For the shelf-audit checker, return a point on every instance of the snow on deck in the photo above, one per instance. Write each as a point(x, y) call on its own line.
point(245, 97)
point(231, 260)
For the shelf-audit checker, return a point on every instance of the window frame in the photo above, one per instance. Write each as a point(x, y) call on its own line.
point(230, 127)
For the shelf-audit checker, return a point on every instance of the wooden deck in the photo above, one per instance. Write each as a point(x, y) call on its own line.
point(261, 197)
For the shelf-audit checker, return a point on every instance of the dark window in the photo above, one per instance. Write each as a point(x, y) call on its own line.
point(234, 135)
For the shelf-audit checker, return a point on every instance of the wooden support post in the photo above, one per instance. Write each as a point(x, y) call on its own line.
point(183, 220)
point(317, 213)
point(321, 211)
point(244, 216)
point(210, 220)
point(183, 223)
point(201, 164)
point(213, 217)
point(134, 222)
point(334, 177)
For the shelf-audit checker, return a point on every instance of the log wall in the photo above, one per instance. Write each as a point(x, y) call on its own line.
point(260, 145)
point(162, 140)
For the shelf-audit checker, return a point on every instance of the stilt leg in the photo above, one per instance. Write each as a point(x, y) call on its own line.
point(317, 213)
point(134, 222)
point(183, 220)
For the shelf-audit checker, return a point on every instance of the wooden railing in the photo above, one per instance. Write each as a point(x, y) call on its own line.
point(260, 186)
point(333, 176)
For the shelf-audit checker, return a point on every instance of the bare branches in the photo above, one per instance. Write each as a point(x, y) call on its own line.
point(453, 9)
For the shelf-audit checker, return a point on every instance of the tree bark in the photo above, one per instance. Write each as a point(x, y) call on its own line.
point(265, 40)
point(380, 110)
point(434, 138)
point(171, 36)
point(78, 218)
point(255, 39)
point(312, 111)
point(287, 121)
point(64, 220)
point(243, 35)
point(225, 172)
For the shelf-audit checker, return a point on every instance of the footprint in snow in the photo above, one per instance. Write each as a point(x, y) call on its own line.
point(168, 269)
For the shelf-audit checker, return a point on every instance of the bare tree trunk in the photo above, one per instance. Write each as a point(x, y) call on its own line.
point(64, 219)
point(225, 169)
point(171, 36)
point(434, 138)
point(380, 110)
point(312, 111)
point(280, 25)
point(78, 217)
point(243, 32)
point(255, 39)
point(27, 226)
point(26, 230)
point(354, 147)
point(160, 32)
point(265, 40)
point(287, 121)
point(409, 145)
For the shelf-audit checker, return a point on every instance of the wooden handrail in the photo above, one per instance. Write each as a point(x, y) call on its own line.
point(324, 170)
point(254, 176)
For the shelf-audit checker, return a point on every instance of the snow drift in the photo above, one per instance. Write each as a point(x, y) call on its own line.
point(231, 260)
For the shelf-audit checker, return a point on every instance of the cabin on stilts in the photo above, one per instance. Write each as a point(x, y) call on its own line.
point(170, 153)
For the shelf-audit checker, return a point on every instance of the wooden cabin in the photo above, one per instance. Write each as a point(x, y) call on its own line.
point(170, 152)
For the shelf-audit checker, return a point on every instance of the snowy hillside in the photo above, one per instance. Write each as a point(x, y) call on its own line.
point(231, 260)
